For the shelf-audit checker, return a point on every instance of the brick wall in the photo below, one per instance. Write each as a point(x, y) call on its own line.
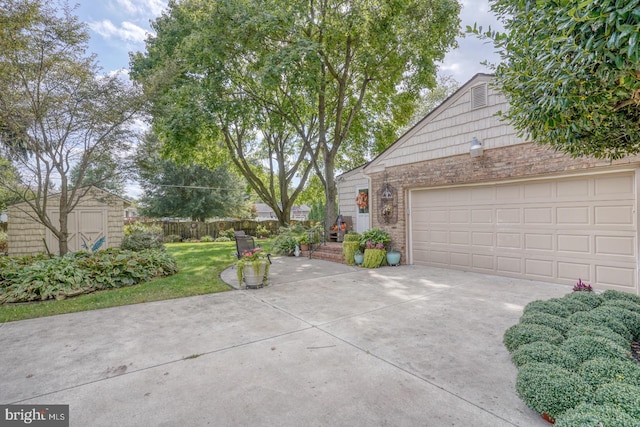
point(500, 164)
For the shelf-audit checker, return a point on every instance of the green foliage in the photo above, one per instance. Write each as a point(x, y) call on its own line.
point(141, 238)
point(285, 243)
point(610, 294)
point(550, 389)
point(585, 347)
point(310, 77)
point(589, 415)
point(603, 370)
point(349, 248)
point(262, 232)
point(558, 323)
point(228, 233)
point(375, 236)
point(598, 331)
point(554, 307)
point(520, 334)
point(172, 238)
point(223, 239)
point(630, 319)
point(4, 241)
point(79, 273)
point(570, 73)
point(206, 239)
point(624, 304)
point(596, 318)
point(622, 395)
point(352, 237)
point(590, 299)
point(374, 258)
point(543, 352)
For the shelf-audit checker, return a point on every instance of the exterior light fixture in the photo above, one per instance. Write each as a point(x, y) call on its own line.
point(476, 148)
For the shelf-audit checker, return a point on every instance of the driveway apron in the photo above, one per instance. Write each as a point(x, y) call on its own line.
point(324, 345)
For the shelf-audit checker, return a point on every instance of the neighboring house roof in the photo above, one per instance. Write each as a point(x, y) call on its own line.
point(264, 211)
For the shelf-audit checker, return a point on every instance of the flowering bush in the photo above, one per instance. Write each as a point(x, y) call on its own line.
point(252, 255)
point(373, 245)
point(582, 287)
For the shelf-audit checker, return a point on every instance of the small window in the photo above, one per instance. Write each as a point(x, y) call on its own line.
point(479, 96)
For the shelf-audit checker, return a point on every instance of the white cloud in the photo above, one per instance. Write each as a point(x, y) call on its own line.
point(141, 7)
point(127, 31)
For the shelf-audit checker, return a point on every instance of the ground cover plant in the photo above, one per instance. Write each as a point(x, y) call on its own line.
point(577, 358)
point(200, 265)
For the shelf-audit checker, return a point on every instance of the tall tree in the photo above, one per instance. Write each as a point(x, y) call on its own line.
point(56, 111)
point(571, 73)
point(106, 171)
point(336, 72)
point(187, 191)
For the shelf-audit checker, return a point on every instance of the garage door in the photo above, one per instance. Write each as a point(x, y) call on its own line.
point(553, 230)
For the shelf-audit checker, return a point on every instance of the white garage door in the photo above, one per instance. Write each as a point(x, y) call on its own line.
point(553, 230)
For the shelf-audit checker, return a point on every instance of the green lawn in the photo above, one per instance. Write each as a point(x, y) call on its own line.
point(200, 267)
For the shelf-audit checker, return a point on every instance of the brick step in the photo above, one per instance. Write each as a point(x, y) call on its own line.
point(329, 252)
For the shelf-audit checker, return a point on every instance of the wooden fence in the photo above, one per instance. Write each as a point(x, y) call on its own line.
point(197, 229)
point(3, 226)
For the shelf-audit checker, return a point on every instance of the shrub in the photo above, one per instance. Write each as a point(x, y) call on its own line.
point(618, 295)
point(550, 307)
point(572, 305)
point(585, 347)
point(623, 396)
point(598, 331)
point(589, 298)
point(602, 370)
point(352, 237)
point(4, 241)
point(376, 236)
point(262, 232)
point(558, 323)
point(140, 227)
point(595, 318)
point(349, 248)
point(172, 238)
point(228, 233)
point(206, 239)
point(550, 389)
point(589, 415)
point(222, 239)
point(543, 352)
point(140, 241)
point(621, 303)
point(520, 334)
point(630, 319)
point(82, 272)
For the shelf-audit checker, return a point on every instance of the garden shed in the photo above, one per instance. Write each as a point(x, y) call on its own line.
point(461, 190)
point(98, 214)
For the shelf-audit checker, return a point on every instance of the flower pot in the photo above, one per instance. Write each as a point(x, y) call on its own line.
point(304, 247)
point(358, 258)
point(393, 258)
point(255, 275)
point(548, 418)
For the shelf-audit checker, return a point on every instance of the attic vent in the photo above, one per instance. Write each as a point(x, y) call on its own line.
point(478, 96)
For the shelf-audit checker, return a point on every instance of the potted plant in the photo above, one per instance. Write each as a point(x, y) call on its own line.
point(253, 269)
point(358, 257)
point(350, 246)
point(304, 242)
point(393, 257)
point(374, 241)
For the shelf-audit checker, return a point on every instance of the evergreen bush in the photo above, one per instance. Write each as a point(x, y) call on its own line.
point(598, 331)
point(520, 334)
point(585, 347)
point(603, 370)
point(543, 352)
point(551, 389)
point(591, 299)
point(597, 318)
point(618, 295)
point(546, 306)
point(622, 395)
point(589, 415)
point(558, 323)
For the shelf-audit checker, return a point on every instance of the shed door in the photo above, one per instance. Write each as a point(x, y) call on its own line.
point(556, 230)
point(86, 226)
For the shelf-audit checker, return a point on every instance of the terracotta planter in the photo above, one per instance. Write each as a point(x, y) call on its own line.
point(304, 247)
point(548, 418)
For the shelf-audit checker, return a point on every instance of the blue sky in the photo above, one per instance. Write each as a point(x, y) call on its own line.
point(118, 27)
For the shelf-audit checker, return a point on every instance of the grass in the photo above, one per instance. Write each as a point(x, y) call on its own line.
point(200, 267)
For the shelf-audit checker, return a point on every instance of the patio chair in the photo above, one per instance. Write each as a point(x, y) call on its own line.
point(246, 243)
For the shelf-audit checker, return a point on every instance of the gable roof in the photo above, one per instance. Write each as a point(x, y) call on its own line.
point(378, 162)
point(126, 202)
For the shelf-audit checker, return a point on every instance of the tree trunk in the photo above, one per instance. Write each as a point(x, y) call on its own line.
point(63, 239)
point(330, 190)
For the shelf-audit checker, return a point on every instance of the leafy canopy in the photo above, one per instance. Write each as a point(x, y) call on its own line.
point(571, 72)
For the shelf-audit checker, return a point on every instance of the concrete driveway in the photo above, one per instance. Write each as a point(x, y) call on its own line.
point(325, 345)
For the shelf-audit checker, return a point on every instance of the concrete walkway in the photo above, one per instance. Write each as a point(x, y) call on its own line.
point(325, 345)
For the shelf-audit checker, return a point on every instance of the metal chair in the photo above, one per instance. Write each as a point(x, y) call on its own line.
point(246, 243)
